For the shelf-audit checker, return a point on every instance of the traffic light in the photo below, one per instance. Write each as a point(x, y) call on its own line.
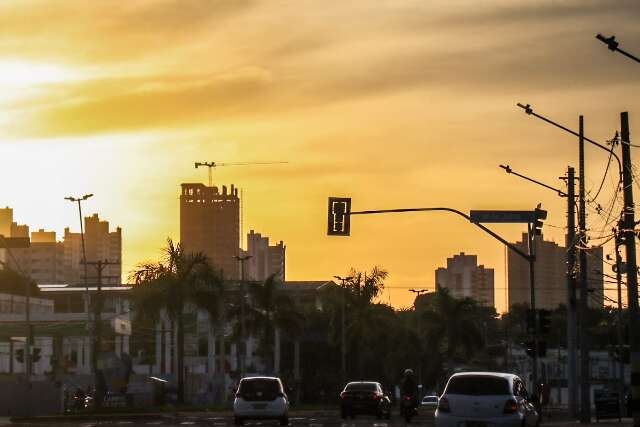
point(36, 355)
point(540, 215)
point(20, 355)
point(544, 321)
point(339, 216)
point(531, 321)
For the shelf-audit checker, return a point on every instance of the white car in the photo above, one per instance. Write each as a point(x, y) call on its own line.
point(261, 398)
point(429, 403)
point(485, 399)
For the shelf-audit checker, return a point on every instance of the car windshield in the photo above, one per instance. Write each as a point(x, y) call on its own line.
point(259, 386)
point(362, 387)
point(478, 385)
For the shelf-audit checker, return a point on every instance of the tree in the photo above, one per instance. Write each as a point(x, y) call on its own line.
point(453, 332)
point(178, 279)
point(270, 308)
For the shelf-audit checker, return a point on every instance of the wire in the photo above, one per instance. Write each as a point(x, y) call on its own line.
point(611, 142)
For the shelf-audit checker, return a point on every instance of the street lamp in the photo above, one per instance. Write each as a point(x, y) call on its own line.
point(343, 337)
point(243, 352)
point(79, 201)
point(612, 45)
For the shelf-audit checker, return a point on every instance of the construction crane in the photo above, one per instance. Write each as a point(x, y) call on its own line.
point(212, 165)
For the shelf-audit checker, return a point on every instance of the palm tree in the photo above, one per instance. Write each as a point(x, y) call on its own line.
point(362, 290)
point(270, 309)
point(178, 279)
point(452, 326)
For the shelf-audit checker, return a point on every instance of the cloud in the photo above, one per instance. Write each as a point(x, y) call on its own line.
point(104, 32)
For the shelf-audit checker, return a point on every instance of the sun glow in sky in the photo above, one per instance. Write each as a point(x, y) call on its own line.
point(395, 103)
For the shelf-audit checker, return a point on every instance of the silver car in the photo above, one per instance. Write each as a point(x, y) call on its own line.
point(485, 399)
point(430, 403)
point(261, 398)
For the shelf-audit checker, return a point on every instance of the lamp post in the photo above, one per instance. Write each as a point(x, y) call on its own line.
point(243, 351)
point(343, 337)
point(79, 201)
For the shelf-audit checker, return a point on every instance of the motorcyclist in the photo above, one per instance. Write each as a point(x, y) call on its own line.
point(409, 386)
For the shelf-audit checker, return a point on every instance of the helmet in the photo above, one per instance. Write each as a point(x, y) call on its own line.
point(408, 372)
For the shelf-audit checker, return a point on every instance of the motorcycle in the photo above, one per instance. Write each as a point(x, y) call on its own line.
point(408, 407)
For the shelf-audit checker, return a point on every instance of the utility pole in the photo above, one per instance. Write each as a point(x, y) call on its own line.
point(585, 386)
point(632, 270)
point(619, 325)
point(572, 318)
point(419, 292)
point(343, 334)
point(242, 348)
point(97, 328)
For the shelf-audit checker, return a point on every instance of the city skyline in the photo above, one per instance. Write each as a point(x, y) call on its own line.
point(398, 108)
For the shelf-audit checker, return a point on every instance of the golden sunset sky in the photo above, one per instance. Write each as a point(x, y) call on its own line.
point(395, 103)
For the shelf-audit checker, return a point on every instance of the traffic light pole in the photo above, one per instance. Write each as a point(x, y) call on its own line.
point(530, 257)
point(532, 289)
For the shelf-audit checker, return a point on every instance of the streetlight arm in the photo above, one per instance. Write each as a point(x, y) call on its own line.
point(457, 212)
point(527, 109)
point(612, 45)
point(511, 171)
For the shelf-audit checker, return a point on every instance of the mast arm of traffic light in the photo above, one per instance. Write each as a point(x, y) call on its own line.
point(457, 212)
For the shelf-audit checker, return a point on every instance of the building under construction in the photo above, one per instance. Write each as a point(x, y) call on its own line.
point(210, 223)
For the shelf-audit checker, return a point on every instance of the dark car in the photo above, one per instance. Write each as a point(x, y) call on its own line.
point(364, 398)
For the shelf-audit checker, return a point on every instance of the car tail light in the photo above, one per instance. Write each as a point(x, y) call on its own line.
point(510, 407)
point(443, 405)
point(377, 396)
point(407, 397)
point(343, 395)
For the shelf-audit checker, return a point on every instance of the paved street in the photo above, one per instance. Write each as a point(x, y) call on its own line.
point(319, 420)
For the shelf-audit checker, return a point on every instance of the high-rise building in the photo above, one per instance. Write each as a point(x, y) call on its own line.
point(464, 278)
point(6, 219)
point(46, 258)
point(100, 245)
point(265, 260)
point(210, 223)
point(550, 273)
point(48, 261)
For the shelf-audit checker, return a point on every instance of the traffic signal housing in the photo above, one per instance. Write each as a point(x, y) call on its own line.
point(339, 216)
point(539, 216)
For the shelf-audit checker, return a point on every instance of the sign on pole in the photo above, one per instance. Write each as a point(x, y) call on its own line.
point(526, 217)
point(339, 216)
